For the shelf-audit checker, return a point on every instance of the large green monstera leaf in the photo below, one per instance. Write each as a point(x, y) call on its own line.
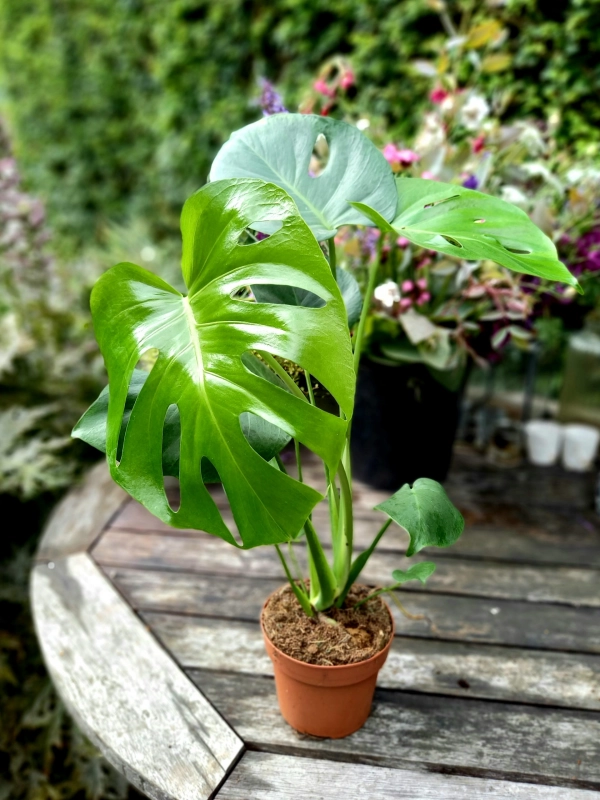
point(278, 149)
point(471, 225)
point(202, 339)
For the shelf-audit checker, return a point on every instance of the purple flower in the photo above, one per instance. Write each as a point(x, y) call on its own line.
point(471, 182)
point(588, 252)
point(270, 100)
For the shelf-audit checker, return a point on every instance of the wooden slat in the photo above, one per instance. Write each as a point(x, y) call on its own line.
point(468, 737)
point(553, 539)
point(451, 618)
point(129, 696)
point(264, 776)
point(417, 665)
point(82, 514)
point(203, 553)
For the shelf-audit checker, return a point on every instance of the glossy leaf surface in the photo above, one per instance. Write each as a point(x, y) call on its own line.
point(426, 513)
point(471, 225)
point(201, 340)
point(279, 149)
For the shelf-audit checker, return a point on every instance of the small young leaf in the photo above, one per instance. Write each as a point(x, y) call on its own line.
point(426, 513)
point(418, 572)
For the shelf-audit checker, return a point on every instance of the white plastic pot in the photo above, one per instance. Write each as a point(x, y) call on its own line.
point(543, 439)
point(579, 447)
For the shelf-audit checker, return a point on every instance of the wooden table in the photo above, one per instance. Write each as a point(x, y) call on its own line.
point(151, 636)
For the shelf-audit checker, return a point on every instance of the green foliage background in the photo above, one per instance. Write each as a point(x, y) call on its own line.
point(118, 108)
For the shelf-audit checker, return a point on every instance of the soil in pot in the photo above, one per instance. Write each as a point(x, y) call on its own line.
point(344, 635)
point(326, 667)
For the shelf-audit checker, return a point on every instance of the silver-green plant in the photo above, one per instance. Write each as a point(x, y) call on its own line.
point(217, 404)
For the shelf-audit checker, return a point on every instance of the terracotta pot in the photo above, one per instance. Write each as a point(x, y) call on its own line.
point(331, 702)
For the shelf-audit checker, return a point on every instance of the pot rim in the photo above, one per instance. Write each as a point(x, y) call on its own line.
point(336, 668)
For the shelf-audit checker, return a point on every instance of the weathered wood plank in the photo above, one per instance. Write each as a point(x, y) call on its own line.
point(124, 690)
point(264, 776)
point(451, 618)
point(547, 539)
point(203, 553)
point(416, 665)
point(82, 514)
point(472, 737)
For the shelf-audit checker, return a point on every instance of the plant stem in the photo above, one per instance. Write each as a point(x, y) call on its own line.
point(360, 561)
point(299, 592)
point(322, 594)
point(279, 370)
point(332, 256)
point(360, 332)
point(343, 539)
point(310, 389)
point(298, 459)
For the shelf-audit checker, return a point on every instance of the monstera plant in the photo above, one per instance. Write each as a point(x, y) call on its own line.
point(219, 403)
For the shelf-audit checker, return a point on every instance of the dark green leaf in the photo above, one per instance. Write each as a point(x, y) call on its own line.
point(418, 572)
point(279, 148)
point(201, 341)
point(426, 513)
point(471, 225)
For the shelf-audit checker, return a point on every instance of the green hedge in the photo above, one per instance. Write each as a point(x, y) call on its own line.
point(118, 107)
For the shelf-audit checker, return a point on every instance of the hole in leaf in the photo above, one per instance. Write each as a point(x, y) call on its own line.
point(479, 221)
point(439, 202)
point(320, 157)
point(517, 251)
point(286, 295)
point(171, 446)
point(451, 241)
point(261, 229)
point(212, 481)
point(266, 438)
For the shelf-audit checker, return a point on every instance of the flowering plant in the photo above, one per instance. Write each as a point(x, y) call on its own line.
point(217, 404)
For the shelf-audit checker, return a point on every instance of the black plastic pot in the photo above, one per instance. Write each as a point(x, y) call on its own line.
point(404, 425)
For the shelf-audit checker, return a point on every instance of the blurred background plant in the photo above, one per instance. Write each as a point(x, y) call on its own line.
point(115, 112)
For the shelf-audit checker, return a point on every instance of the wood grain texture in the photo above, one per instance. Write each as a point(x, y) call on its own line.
point(487, 739)
point(208, 554)
point(263, 776)
point(449, 618)
point(82, 514)
point(126, 692)
point(416, 665)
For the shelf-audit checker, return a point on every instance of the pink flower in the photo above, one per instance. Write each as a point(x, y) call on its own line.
point(407, 286)
point(405, 304)
point(402, 242)
point(424, 298)
point(428, 176)
point(438, 95)
point(478, 144)
point(395, 155)
point(321, 87)
point(422, 284)
point(347, 79)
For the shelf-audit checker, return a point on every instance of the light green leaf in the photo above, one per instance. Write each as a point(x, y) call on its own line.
point(201, 340)
point(426, 513)
point(265, 438)
point(418, 572)
point(292, 296)
point(471, 225)
point(279, 148)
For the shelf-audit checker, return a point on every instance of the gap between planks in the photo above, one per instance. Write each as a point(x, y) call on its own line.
point(264, 776)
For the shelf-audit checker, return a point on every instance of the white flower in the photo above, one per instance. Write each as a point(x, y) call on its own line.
point(363, 124)
point(513, 195)
point(474, 111)
point(431, 136)
point(387, 294)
